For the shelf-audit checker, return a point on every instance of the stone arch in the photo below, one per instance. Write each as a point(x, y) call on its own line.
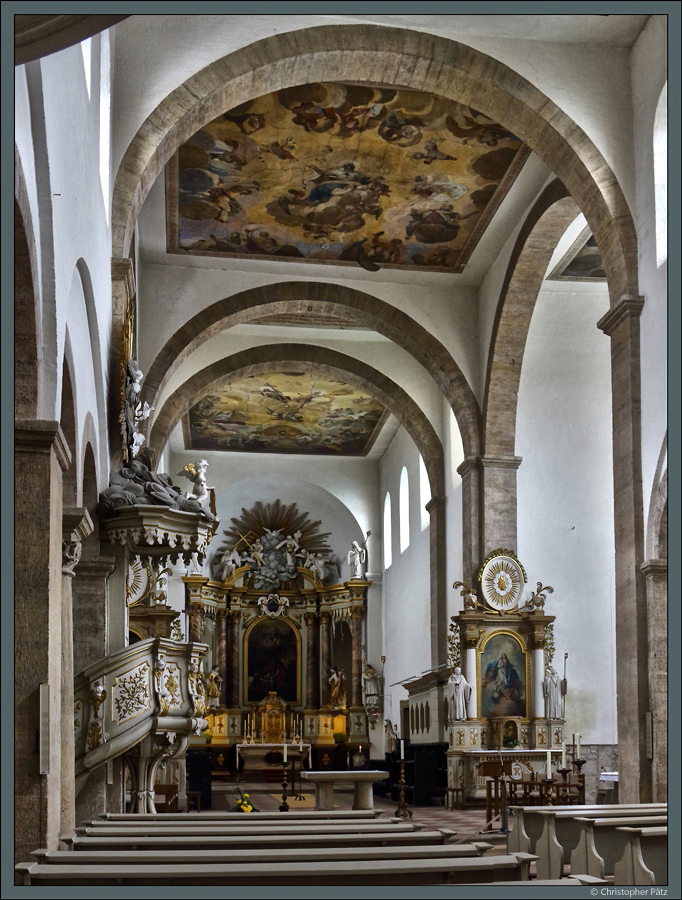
point(551, 215)
point(657, 520)
point(26, 304)
point(397, 58)
point(321, 299)
point(407, 412)
point(257, 360)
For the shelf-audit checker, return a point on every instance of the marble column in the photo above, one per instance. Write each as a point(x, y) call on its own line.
point(538, 666)
point(621, 324)
point(76, 526)
point(41, 456)
point(222, 654)
point(356, 657)
point(470, 674)
point(656, 574)
point(437, 554)
point(312, 674)
point(233, 679)
point(196, 623)
point(325, 658)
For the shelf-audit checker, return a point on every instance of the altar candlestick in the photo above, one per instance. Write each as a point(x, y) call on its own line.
point(577, 746)
point(563, 754)
point(285, 752)
point(549, 764)
point(402, 749)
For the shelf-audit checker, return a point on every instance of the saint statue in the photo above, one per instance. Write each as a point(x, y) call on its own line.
point(356, 558)
point(554, 690)
point(337, 680)
point(370, 687)
point(215, 683)
point(458, 692)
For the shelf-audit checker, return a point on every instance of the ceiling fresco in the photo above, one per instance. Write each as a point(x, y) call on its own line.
point(343, 174)
point(581, 262)
point(285, 412)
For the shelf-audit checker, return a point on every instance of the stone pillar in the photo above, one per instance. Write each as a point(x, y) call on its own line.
point(437, 553)
point(312, 674)
point(656, 574)
point(499, 503)
point(76, 526)
point(471, 522)
point(233, 678)
point(356, 657)
point(325, 658)
point(222, 654)
point(621, 323)
point(41, 455)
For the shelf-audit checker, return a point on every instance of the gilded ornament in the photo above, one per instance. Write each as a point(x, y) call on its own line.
point(502, 578)
point(131, 693)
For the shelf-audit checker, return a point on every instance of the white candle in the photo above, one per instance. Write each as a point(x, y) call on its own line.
point(577, 746)
point(563, 755)
point(360, 748)
point(402, 749)
point(549, 763)
point(300, 747)
point(285, 752)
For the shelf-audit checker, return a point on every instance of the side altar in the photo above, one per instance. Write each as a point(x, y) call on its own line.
point(286, 636)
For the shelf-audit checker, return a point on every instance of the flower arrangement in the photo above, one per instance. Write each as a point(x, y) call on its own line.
point(243, 803)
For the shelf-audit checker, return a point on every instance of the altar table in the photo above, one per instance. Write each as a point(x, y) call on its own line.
point(254, 754)
point(362, 781)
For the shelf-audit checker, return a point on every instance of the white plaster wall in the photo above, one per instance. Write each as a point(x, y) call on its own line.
point(649, 73)
point(565, 497)
point(23, 139)
point(454, 456)
point(155, 54)
point(406, 583)
point(78, 231)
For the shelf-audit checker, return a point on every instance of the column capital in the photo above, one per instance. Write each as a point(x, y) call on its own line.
point(76, 526)
point(434, 503)
point(469, 463)
point(122, 270)
point(309, 618)
point(501, 462)
point(96, 566)
point(42, 436)
point(628, 307)
point(654, 567)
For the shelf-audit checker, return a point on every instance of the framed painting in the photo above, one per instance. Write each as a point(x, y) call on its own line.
point(272, 660)
point(503, 675)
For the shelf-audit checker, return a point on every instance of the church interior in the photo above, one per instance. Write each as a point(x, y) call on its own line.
point(340, 412)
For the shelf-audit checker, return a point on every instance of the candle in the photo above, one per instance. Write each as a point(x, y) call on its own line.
point(563, 755)
point(360, 748)
point(402, 749)
point(549, 764)
point(300, 747)
point(285, 752)
point(577, 746)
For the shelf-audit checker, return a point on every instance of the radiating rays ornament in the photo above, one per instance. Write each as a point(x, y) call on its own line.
point(502, 578)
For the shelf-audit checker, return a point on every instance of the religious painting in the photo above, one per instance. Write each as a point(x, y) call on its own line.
point(502, 676)
point(581, 262)
point(272, 660)
point(345, 174)
point(286, 412)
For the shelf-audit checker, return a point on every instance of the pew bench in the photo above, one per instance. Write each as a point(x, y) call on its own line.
point(304, 853)
point(457, 870)
point(645, 857)
point(601, 842)
point(179, 829)
point(217, 815)
point(274, 843)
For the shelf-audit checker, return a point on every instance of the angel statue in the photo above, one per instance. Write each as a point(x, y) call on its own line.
point(356, 558)
point(196, 472)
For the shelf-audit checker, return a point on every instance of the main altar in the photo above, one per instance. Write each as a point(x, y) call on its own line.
point(285, 636)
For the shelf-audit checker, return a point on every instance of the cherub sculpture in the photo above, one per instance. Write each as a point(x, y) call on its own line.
point(196, 472)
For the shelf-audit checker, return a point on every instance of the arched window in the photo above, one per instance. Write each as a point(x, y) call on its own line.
point(404, 510)
point(424, 493)
point(388, 557)
point(661, 176)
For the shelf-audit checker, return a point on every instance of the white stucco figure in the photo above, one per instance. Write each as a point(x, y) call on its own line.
point(356, 558)
point(554, 690)
point(370, 687)
point(458, 692)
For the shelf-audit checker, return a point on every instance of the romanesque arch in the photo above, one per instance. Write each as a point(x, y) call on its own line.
point(397, 58)
point(317, 298)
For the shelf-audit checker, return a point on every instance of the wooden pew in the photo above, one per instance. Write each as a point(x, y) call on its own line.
point(645, 858)
point(245, 840)
point(304, 853)
point(560, 835)
point(469, 870)
point(178, 829)
point(190, 821)
point(214, 815)
point(528, 821)
point(602, 842)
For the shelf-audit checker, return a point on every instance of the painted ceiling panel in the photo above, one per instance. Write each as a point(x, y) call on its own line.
point(285, 412)
point(581, 262)
point(343, 174)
